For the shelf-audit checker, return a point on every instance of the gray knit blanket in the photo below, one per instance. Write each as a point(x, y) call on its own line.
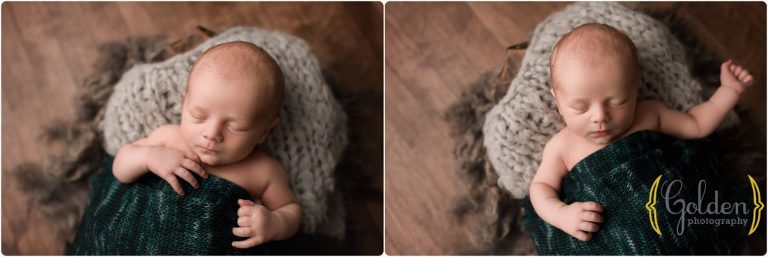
point(308, 141)
point(517, 128)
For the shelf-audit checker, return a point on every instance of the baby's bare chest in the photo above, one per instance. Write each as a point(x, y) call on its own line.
point(240, 174)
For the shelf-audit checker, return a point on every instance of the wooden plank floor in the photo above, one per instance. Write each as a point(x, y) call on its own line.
point(49, 48)
point(435, 50)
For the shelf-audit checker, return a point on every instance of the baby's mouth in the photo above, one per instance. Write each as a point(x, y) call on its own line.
point(600, 133)
point(207, 150)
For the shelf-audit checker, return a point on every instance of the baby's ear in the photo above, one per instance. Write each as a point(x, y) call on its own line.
point(557, 105)
point(269, 129)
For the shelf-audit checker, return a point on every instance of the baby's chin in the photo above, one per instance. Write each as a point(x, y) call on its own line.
point(210, 160)
point(216, 159)
point(601, 140)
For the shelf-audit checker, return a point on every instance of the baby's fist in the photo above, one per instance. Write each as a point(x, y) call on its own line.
point(253, 222)
point(581, 219)
point(734, 76)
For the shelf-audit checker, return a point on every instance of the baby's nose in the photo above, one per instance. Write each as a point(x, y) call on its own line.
point(600, 116)
point(214, 139)
point(212, 132)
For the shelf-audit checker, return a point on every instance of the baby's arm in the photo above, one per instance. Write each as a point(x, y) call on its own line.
point(151, 155)
point(278, 219)
point(579, 219)
point(704, 118)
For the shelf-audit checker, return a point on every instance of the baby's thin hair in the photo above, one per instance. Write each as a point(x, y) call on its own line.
point(253, 59)
point(597, 37)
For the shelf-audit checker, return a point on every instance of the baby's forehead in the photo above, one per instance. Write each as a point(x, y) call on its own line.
point(237, 61)
point(596, 40)
point(240, 65)
point(594, 45)
point(240, 57)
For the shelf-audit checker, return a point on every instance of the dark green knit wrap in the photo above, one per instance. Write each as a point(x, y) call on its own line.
point(149, 218)
point(619, 177)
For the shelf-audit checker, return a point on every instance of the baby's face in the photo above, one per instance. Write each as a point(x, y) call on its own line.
point(221, 119)
point(596, 99)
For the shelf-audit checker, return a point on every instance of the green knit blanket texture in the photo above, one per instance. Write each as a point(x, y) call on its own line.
point(148, 218)
point(619, 177)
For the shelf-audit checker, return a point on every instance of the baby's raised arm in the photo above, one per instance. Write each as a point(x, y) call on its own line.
point(579, 219)
point(704, 118)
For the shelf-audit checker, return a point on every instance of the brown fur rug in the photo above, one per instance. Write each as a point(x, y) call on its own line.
point(59, 187)
point(743, 148)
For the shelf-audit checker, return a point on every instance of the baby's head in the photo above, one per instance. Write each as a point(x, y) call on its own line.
point(233, 98)
point(595, 80)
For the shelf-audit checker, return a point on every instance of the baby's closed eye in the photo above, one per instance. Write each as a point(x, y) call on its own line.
point(197, 116)
point(238, 127)
point(617, 102)
point(578, 106)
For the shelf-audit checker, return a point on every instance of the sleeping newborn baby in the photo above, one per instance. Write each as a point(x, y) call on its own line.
point(595, 81)
point(233, 97)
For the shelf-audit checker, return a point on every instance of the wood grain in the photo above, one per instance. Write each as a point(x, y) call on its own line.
point(433, 51)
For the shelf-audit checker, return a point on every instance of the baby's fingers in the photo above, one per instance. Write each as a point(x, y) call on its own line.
point(748, 80)
point(245, 211)
point(250, 242)
point(186, 175)
point(193, 166)
point(726, 66)
point(242, 232)
point(174, 182)
point(244, 221)
point(242, 202)
point(592, 206)
point(583, 236)
point(592, 216)
point(192, 156)
point(737, 70)
point(588, 226)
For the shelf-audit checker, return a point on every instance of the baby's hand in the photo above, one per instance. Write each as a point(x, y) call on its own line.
point(254, 222)
point(581, 219)
point(168, 163)
point(734, 76)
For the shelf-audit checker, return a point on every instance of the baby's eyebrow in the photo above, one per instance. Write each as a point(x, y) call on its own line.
point(198, 108)
point(581, 100)
point(238, 118)
point(229, 117)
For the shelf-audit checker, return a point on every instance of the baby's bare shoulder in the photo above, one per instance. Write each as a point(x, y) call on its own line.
point(554, 150)
point(648, 114)
point(268, 165)
point(262, 169)
point(557, 143)
point(552, 167)
point(160, 136)
point(650, 105)
point(164, 131)
point(169, 129)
